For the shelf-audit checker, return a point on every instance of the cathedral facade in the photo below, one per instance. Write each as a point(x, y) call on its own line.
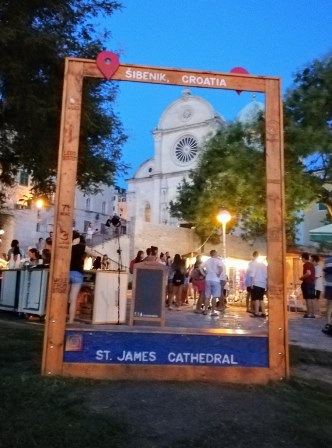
point(182, 130)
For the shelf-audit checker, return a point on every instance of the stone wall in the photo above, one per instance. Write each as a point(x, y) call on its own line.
point(111, 248)
point(166, 238)
point(184, 241)
point(237, 248)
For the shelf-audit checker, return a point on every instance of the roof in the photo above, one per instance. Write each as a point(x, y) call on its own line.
point(250, 112)
point(321, 234)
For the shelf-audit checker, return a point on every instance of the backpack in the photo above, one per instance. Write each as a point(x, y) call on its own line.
point(178, 278)
point(196, 275)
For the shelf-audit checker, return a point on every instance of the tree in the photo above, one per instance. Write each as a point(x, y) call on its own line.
point(35, 38)
point(231, 172)
point(230, 175)
point(308, 126)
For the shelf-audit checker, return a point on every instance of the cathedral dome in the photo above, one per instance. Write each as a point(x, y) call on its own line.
point(145, 169)
point(189, 110)
point(250, 112)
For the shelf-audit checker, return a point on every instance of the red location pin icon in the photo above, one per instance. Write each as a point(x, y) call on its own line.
point(239, 70)
point(108, 63)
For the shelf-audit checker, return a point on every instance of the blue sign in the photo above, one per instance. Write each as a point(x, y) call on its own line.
point(103, 347)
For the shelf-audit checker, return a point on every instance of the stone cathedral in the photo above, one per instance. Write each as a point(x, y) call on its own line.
point(182, 129)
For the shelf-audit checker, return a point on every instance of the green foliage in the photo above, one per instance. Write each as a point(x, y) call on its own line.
point(230, 175)
point(35, 38)
point(308, 126)
point(231, 172)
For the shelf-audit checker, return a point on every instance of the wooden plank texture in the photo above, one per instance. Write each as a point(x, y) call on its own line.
point(180, 77)
point(63, 219)
point(243, 375)
point(276, 245)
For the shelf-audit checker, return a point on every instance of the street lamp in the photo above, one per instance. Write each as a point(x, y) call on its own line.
point(224, 217)
point(39, 205)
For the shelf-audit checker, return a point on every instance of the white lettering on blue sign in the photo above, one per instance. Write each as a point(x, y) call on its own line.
point(103, 355)
point(137, 356)
point(201, 358)
point(167, 349)
point(172, 357)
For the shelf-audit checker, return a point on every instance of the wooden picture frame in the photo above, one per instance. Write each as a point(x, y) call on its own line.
point(54, 342)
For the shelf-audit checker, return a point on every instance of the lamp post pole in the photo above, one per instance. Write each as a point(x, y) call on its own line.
point(39, 205)
point(224, 217)
point(224, 240)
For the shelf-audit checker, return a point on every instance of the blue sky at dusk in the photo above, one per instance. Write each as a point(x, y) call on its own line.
point(267, 37)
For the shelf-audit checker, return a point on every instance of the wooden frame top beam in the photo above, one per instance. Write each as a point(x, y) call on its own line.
point(181, 77)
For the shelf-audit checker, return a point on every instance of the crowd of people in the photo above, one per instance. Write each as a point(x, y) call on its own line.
point(39, 256)
point(206, 282)
point(313, 278)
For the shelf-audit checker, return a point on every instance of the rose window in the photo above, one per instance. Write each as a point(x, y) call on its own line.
point(186, 150)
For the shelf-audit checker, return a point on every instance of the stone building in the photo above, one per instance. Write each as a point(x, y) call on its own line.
point(181, 131)
point(26, 219)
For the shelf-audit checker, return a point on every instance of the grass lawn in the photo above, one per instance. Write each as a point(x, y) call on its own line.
point(37, 411)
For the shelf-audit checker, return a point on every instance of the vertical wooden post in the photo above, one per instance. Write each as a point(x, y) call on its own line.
point(63, 219)
point(276, 244)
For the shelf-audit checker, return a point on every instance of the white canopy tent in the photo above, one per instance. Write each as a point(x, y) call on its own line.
point(321, 234)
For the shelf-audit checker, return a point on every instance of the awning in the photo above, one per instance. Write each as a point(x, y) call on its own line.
point(321, 234)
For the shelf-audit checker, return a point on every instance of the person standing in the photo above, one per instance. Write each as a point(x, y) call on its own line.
point(213, 268)
point(46, 256)
point(76, 272)
point(97, 263)
point(250, 303)
point(223, 279)
point(327, 269)
point(14, 251)
point(178, 269)
point(308, 285)
point(139, 257)
point(105, 263)
point(34, 257)
point(318, 283)
point(89, 234)
point(40, 245)
point(198, 281)
point(48, 243)
point(258, 275)
point(152, 254)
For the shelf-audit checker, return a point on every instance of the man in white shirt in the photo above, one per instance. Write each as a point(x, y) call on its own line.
point(258, 275)
point(213, 269)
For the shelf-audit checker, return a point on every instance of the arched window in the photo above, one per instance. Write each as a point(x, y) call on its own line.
point(147, 213)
